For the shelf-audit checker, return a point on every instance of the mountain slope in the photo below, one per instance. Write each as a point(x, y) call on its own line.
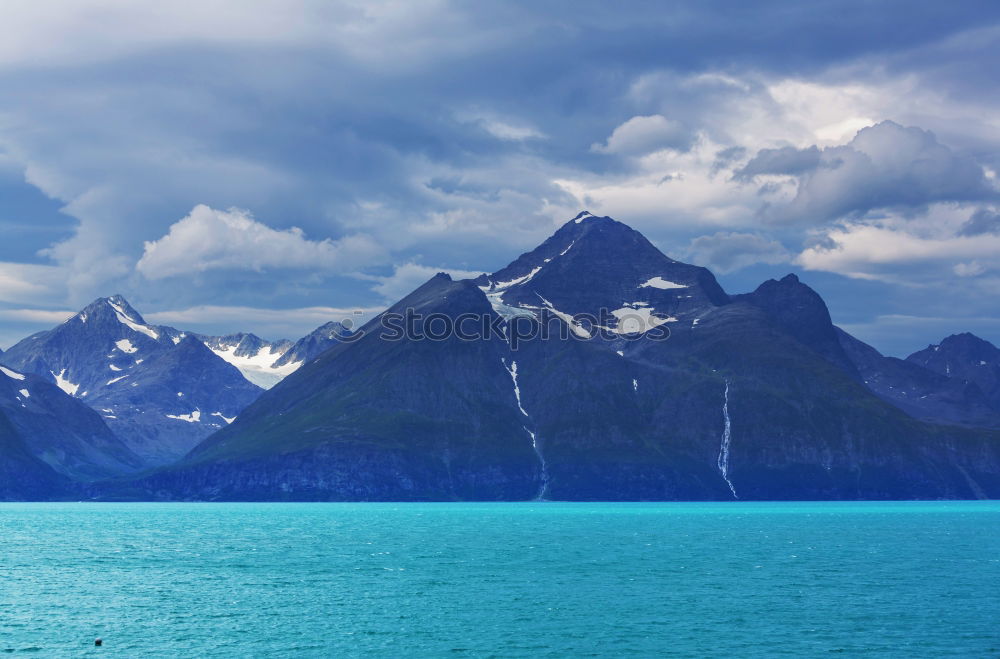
point(342, 439)
point(313, 344)
point(918, 391)
point(154, 387)
point(745, 397)
point(23, 477)
point(968, 358)
point(801, 313)
point(62, 431)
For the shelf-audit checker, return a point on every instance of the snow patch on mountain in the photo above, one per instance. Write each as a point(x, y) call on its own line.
point(193, 417)
point(130, 322)
point(63, 383)
point(227, 419)
point(502, 309)
point(126, 346)
point(258, 367)
point(576, 327)
point(637, 320)
point(504, 285)
point(11, 374)
point(661, 283)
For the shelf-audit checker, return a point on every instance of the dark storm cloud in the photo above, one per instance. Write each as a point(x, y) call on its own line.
point(439, 131)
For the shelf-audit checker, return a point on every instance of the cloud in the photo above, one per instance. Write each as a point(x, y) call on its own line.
point(24, 283)
point(502, 129)
point(786, 160)
point(35, 315)
point(868, 251)
point(883, 166)
point(970, 269)
point(210, 239)
point(127, 114)
point(726, 252)
point(405, 278)
point(506, 131)
point(641, 135)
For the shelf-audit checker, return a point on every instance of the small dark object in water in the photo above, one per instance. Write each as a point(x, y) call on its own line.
point(98, 642)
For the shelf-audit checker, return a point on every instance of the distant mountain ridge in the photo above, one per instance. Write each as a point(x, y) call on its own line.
point(754, 396)
point(968, 358)
point(265, 363)
point(158, 389)
point(106, 394)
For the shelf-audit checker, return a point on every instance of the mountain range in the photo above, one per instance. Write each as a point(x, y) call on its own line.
point(106, 394)
point(753, 396)
point(597, 368)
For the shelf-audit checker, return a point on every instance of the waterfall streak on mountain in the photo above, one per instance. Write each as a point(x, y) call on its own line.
point(512, 371)
point(724, 449)
point(543, 489)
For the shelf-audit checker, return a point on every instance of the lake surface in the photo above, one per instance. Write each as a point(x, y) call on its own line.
point(517, 579)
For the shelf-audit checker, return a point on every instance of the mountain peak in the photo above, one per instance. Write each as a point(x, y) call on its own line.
point(966, 338)
point(800, 311)
point(593, 264)
point(116, 304)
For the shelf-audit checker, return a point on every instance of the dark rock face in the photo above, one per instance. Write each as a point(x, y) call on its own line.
point(61, 431)
point(801, 313)
point(158, 389)
point(752, 397)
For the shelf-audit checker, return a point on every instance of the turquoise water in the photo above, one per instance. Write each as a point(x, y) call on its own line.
point(499, 580)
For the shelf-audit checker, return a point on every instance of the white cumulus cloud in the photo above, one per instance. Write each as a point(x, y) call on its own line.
point(407, 277)
point(641, 135)
point(211, 239)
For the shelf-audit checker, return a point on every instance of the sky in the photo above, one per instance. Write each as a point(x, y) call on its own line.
point(268, 166)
